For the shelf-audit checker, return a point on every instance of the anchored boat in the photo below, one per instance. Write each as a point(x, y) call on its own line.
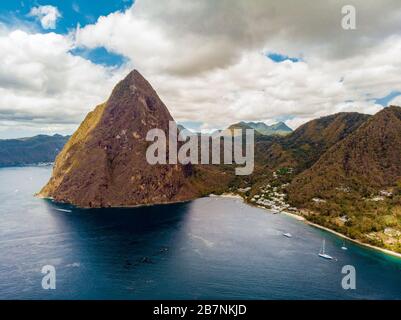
point(322, 252)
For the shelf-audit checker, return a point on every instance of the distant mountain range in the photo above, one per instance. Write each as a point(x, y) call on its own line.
point(342, 171)
point(279, 128)
point(33, 150)
point(45, 148)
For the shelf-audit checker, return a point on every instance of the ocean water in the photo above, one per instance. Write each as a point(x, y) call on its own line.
point(211, 248)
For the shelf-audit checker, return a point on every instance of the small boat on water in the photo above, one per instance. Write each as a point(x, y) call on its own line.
point(63, 210)
point(288, 235)
point(344, 247)
point(322, 252)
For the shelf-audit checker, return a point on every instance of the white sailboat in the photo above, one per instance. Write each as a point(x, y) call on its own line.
point(63, 210)
point(344, 247)
point(322, 253)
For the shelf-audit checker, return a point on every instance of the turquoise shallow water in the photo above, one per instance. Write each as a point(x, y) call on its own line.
point(211, 248)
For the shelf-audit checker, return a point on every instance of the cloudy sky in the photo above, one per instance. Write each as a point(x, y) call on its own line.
point(213, 62)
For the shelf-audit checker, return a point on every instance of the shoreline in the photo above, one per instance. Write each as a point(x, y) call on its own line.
point(340, 235)
point(301, 218)
point(227, 195)
point(382, 250)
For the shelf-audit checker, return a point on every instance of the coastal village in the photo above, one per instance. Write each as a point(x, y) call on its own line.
point(272, 196)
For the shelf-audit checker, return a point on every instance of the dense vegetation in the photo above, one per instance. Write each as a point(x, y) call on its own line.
point(24, 151)
point(342, 172)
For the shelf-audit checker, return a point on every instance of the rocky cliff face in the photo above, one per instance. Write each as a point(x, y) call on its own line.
point(104, 163)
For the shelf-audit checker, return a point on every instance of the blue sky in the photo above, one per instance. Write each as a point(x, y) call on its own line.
point(384, 101)
point(73, 12)
point(16, 13)
point(278, 57)
point(100, 56)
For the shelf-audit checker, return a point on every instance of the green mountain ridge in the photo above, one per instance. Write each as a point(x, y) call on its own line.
point(31, 150)
point(355, 186)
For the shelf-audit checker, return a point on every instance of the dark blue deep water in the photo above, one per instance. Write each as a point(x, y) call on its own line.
point(211, 248)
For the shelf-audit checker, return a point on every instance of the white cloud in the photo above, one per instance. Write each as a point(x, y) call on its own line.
point(44, 86)
point(191, 37)
point(257, 89)
point(396, 101)
point(47, 16)
point(206, 60)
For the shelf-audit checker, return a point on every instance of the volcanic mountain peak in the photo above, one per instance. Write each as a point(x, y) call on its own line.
point(104, 163)
point(132, 84)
